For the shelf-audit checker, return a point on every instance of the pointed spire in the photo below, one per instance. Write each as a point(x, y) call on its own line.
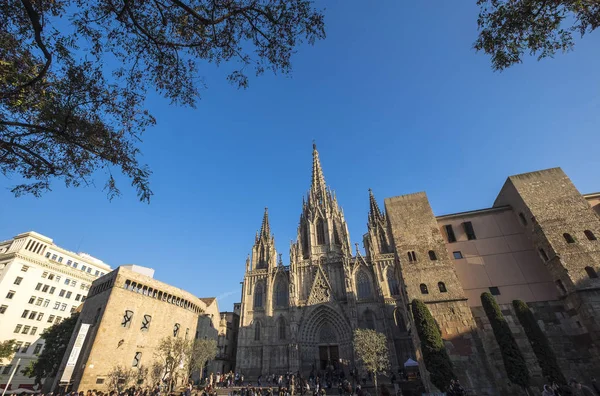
point(318, 180)
point(265, 229)
point(374, 212)
point(280, 262)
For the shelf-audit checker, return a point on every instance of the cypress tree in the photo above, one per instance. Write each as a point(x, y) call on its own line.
point(514, 362)
point(539, 343)
point(435, 355)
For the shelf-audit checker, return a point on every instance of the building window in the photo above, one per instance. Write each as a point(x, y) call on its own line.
point(52, 289)
point(369, 319)
point(363, 286)
point(543, 254)
point(522, 218)
point(136, 359)
point(75, 265)
point(412, 256)
point(495, 291)
point(26, 329)
point(568, 238)
point(17, 347)
point(39, 301)
point(54, 256)
point(432, 255)
point(468, 226)
point(18, 280)
point(281, 325)
point(25, 313)
point(67, 281)
point(7, 369)
point(31, 300)
point(44, 275)
point(57, 305)
point(442, 287)
point(62, 293)
point(258, 295)
point(58, 320)
point(450, 233)
point(257, 331)
point(392, 282)
point(10, 294)
point(63, 306)
point(46, 302)
point(457, 255)
point(38, 287)
point(51, 318)
point(83, 268)
point(32, 315)
point(45, 288)
point(423, 288)
point(25, 347)
point(68, 295)
point(69, 262)
point(146, 323)
point(3, 308)
point(99, 381)
point(37, 349)
point(561, 286)
point(24, 268)
point(281, 294)
point(77, 297)
point(51, 276)
point(33, 330)
point(176, 329)
point(60, 259)
point(320, 232)
point(589, 235)
point(591, 272)
point(127, 317)
point(40, 316)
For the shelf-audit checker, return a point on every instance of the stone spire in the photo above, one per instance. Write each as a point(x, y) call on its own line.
point(374, 212)
point(317, 187)
point(265, 229)
point(264, 254)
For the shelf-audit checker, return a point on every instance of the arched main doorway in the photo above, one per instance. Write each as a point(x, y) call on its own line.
point(325, 341)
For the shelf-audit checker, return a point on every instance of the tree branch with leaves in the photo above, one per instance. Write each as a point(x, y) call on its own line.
point(66, 113)
point(372, 351)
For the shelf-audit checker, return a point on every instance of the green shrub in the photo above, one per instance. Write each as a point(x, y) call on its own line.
point(514, 363)
point(435, 355)
point(539, 343)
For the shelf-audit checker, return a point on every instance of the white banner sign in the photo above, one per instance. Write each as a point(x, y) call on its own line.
point(70, 367)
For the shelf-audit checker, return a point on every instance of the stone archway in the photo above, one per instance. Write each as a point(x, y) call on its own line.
point(325, 340)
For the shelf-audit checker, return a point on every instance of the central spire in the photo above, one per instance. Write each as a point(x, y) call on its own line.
point(265, 229)
point(374, 212)
point(317, 187)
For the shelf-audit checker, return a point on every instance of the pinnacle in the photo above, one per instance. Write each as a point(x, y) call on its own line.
point(318, 180)
point(374, 212)
point(265, 229)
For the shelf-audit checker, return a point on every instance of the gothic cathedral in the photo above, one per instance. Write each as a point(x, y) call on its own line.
point(301, 317)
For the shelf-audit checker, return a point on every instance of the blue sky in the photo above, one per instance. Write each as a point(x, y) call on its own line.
point(396, 100)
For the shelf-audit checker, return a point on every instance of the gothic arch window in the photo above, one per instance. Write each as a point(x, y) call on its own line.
point(442, 287)
point(257, 331)
point(589, 235)
point(568, 238)
point(399, 319)
point(258, 295)
point(320, 232)
point(305, 240)
point(591, 272)
point(282, 328)
point(432, 255)
point(281, 294)
point(424, 289)
point(336, 236)
point(392, 282)
point(369, 319)
point(363, 286)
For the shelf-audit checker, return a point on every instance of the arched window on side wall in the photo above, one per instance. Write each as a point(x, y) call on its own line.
point(258, 295)
point(591, 272)
point(392, 282)
point(568, 238)
point(399, 319)
point(442, 287)
point(424, 289)
point(432, 255)
point(369, 319)
point(589, 235)
point(281, 294)
point(257, 331)
point(320, 232)
point(363, 286)
point(281, 325)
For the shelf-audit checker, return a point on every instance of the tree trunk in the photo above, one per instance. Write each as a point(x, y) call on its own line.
point(375, 383)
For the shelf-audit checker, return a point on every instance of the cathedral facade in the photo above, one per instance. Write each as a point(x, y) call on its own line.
point(301, 317)
point(538, 243)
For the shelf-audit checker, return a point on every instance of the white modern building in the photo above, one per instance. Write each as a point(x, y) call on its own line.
point(40, 285)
